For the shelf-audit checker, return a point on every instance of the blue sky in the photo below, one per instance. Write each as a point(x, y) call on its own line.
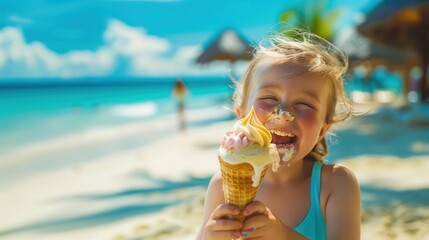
point(99, 38)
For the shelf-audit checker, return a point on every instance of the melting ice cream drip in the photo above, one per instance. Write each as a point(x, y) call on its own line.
point(287, 154)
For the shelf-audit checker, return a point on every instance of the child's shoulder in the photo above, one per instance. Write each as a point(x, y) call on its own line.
point(338, 177)
point(340, 196)
point(216, 178)
point(214, 194)
point(215, 181)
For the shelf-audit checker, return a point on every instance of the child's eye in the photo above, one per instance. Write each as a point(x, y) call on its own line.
point(304, 106)
point(268, 98)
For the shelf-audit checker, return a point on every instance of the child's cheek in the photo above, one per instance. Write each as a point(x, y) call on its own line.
point(307, 116)
point(262, 110)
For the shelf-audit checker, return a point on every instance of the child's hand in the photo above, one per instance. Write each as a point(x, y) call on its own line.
point(220, 226)
point(260, 223)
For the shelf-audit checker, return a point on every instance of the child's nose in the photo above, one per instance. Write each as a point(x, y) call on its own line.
point(280, 114)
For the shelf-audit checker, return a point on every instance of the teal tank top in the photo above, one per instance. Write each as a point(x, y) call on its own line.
point(313, 226)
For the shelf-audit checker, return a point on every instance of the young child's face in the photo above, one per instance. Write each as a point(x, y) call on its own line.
point(304, 97)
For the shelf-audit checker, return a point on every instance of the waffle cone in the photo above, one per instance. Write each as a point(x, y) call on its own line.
point(237, 184)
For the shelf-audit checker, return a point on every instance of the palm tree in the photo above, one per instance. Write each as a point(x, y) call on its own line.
point(312, 17)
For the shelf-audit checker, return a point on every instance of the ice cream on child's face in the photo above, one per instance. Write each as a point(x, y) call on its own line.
point(249, 142)
point(279, 114)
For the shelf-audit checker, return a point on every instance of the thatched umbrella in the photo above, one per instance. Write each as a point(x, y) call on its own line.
point(227, 46)
point(402, 24)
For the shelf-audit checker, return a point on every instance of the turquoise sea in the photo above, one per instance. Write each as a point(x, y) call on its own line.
point(45, 117)
point(52, 123)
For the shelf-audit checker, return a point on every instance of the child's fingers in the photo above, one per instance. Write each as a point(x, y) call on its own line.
point(254, 233)
point(226, 225)
point(226, 235)
point(255, 207)
point(224, 211)
point(224, 229)
point(254, 222)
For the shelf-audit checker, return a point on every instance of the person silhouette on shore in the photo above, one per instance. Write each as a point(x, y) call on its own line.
point(180, 91)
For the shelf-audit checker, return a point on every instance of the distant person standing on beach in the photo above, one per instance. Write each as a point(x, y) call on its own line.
point(180, 93)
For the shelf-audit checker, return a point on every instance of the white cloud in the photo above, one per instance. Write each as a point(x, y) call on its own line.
point(126, 50)
point(132, 41)
point(22, 59)
point(87, 63)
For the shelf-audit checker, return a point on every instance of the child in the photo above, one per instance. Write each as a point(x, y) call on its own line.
point(299, 80)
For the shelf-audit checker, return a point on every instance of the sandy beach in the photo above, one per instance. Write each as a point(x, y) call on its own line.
point(156, 191)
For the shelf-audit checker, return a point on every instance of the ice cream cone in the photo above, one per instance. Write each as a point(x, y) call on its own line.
point(244, 156)
point(237, 184)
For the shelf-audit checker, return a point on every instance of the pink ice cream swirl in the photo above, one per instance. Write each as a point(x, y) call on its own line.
point(233, 140)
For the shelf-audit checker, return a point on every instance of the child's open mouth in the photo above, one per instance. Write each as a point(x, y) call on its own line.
point(282, 138)
point(285, 142)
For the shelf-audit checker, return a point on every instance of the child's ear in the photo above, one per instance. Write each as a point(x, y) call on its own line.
point(324, 130)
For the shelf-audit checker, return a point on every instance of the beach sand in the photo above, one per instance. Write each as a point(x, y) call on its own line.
point(156, 191)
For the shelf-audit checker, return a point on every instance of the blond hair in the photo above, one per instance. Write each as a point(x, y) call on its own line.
point(313, 55)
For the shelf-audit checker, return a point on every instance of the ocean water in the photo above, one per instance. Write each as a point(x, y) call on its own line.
point(38, 109)
point(48, 124)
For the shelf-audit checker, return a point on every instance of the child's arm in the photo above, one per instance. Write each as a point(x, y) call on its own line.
point(343, 205)
point(215, 224)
